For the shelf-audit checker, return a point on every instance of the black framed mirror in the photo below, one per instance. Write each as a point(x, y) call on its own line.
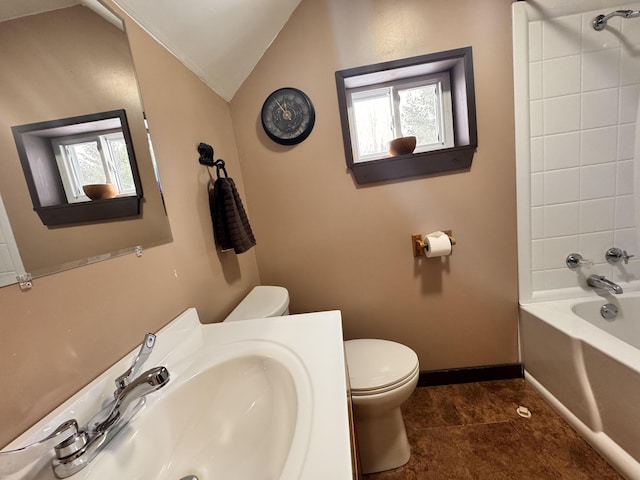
point(410, 117)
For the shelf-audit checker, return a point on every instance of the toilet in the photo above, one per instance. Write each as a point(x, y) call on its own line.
point(382, 376)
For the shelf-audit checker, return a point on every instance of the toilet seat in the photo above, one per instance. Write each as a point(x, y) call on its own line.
point(394, 386)
point(378, 366)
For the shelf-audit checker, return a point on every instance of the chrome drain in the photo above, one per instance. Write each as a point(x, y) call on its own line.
point(609, 311)
point(189, 477)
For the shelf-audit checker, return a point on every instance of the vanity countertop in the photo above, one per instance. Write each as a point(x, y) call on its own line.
point(311, 374)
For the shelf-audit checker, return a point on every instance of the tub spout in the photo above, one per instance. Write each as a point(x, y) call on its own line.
point(599, 281)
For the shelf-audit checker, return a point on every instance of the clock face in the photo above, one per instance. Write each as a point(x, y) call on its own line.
point(288, 116)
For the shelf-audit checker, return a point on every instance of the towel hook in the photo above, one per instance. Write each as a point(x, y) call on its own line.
point(206, 159)
point(206, 154)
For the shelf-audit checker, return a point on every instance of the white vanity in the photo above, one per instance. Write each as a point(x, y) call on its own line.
point(263, 399)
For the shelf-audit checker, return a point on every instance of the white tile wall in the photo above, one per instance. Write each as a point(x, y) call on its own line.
point(562, 114)
point(562, 151)
point(561, 76)
point(561, 36)
point(600, 69)
point(584, 90)
point(628, 104)
point(624, 182)
point(597, 181)
point(537, 154)
point(626, 141)
point(597, 215)
point(599, 145)
point(599, 108)
point(561, 186)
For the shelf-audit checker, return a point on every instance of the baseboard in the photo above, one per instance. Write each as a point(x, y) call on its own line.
point(469, 375)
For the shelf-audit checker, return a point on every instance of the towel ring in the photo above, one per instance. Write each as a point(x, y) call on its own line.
point(220, 166)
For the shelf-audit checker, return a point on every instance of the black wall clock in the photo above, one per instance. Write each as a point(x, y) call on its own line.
point(288, 116)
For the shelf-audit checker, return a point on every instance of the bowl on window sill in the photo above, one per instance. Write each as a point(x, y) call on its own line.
point(402, 146)
point(100, 191)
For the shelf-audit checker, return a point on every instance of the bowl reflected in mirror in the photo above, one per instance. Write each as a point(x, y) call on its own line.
point(402, 146)
point(100, 191)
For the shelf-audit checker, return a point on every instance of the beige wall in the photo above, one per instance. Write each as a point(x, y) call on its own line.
point(331, 243)
point(57, 337)
point(337, 245)
point(60, 72)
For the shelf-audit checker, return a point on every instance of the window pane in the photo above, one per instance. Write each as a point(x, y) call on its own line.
point(419, 113)
point(88, 162)
point(374, 124)
point(118, 150)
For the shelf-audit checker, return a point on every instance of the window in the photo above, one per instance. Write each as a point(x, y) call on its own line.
point(98, 157)
point(430, 97)
point(418, 107)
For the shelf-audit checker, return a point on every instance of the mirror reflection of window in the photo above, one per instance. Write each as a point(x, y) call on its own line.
point(98, 157)
point(61, 157)
point(419, 107)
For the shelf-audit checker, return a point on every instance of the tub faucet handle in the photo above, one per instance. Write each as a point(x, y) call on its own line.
point(616, 255)
point(575, 260)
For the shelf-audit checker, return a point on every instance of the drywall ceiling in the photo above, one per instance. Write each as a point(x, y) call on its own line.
point(221, 41)
point(19, 8)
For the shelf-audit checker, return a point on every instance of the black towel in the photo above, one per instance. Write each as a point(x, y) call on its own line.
point(231, 227)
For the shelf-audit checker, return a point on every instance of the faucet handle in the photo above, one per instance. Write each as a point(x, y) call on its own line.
point(616, 255)
point(575, 260)
point(143, 354)
point(12, 461)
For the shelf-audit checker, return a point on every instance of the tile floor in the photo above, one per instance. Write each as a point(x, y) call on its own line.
point(472, 432)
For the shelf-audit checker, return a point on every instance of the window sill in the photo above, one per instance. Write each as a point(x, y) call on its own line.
point(413, 165)
point(92, 211)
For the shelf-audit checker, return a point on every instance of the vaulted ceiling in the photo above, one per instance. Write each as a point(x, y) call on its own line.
point(221, 41)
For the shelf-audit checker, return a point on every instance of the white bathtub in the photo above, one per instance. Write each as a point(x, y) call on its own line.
point(588, 368)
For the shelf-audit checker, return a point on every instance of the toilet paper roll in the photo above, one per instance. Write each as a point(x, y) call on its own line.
point(437, 244)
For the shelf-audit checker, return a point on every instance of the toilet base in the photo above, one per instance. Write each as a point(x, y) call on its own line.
point(382, 441)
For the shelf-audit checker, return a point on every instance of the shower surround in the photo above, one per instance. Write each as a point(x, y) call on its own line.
point(577, 88)
point(576, 109)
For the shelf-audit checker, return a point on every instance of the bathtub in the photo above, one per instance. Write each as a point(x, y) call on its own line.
point(588, 369)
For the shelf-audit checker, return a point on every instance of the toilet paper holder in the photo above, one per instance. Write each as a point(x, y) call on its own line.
point(418, 243)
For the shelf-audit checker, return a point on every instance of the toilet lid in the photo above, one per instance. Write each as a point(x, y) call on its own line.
point(375, 364)
point(262, 302)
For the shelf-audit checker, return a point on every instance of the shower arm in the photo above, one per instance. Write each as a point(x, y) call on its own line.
point(601, 20)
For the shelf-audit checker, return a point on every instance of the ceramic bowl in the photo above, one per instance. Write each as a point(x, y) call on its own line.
point(402, 145)
point(100, 191)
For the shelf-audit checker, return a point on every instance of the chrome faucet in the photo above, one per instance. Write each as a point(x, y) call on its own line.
point(136, 390)
point(76, 447)
point(599, 281)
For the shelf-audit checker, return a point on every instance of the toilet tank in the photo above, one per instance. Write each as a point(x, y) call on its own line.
point(261, 302)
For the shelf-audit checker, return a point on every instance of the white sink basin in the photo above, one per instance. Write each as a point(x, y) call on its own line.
point(258, 400)
point(236, 419)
